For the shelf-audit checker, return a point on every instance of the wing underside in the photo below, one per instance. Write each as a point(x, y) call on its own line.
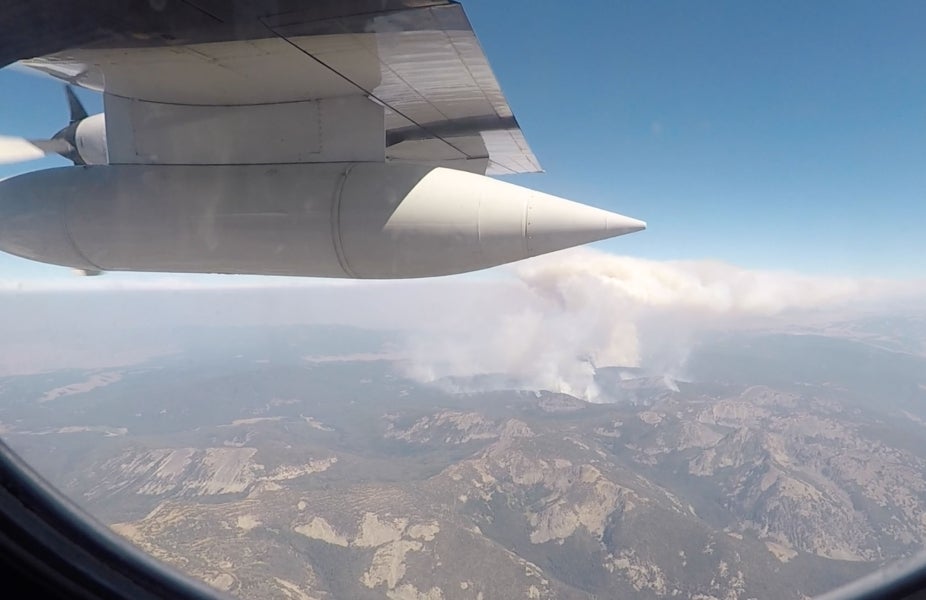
point(361, 80)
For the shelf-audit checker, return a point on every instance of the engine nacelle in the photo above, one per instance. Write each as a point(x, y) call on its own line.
point(356, 220)
point(90, 140)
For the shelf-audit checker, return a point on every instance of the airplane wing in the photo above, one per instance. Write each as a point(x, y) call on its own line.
point(285, 81)
point(277, 137)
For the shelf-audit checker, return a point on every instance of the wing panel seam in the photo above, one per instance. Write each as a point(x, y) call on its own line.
point(358, 86)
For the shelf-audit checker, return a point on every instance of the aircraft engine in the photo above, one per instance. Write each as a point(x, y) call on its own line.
point(82, 141)
point(90, 140)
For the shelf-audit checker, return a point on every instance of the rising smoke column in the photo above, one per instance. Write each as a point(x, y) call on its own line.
point(566, 314)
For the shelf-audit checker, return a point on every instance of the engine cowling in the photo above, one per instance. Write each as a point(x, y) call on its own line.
point(356, 220)
point(90, 140)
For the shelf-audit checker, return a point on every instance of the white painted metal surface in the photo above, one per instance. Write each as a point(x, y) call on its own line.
point(342, 129)
point(424, 65)
point(362, 220)
point(302, 143)
point(90, 139)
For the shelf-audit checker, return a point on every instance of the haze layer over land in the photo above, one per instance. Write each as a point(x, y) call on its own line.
point(591, 426)
point(544, 324)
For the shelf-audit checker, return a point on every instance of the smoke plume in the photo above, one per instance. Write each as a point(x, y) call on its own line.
point(572, 312)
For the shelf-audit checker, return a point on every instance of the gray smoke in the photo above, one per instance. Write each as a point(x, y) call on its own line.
point(572, 312)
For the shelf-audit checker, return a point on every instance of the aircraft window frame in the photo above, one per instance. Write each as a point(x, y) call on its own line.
point(53, 548)
point(49, 544)
point(52, 544)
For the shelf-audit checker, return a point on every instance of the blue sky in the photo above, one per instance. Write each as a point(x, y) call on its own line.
point(786, 135)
